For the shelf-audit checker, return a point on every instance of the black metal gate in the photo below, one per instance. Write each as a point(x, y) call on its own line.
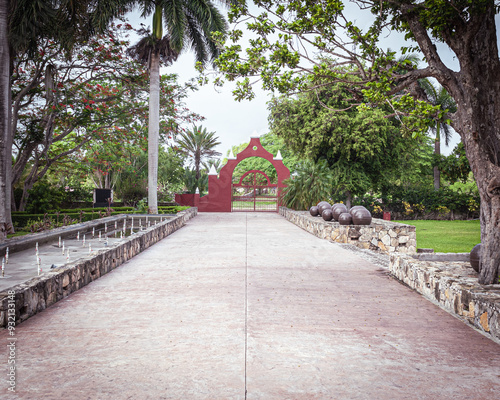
point(254, 192)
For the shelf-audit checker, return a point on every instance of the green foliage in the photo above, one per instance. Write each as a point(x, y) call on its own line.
point(189, 25)
point(310, 183)
point(301, 44)
point(191, 183)
point(46, 196)
point(255, 163)
point(171, 209)
point(142, 206)
point(455, 167)
point(49, 222)
point(361, 146)
point(132, 183)
point(22, 220)
point(198, 145)
point(417, 201)
point(39, 222)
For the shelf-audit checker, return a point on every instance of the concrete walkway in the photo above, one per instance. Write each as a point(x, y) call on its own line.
point(249, 306)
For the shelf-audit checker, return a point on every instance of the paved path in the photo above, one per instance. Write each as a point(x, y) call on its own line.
point(237, 306)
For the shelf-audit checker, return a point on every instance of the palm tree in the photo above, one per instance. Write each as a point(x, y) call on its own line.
point(188, 23)
point(198, 144)
point(22, 24)
point(439, 97)
point(5, 134)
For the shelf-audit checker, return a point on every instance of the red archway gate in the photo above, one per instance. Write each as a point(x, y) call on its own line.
point(254, 192)
point(220, 197)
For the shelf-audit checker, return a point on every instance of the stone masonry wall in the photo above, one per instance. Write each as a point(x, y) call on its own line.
point(380, 235)
point(38, 293)
point(453, 286)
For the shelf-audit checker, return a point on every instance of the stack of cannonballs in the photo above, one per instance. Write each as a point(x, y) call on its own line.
point(357, 215)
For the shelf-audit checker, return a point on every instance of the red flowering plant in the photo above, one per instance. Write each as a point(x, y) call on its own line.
point(79, 113)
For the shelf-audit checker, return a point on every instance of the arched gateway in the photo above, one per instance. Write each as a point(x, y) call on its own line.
point(255, 185)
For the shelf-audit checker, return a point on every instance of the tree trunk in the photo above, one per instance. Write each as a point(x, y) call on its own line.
point(24, 198)
point(477, 120)
point(153, 133)
point(437, 152)
point(348, 199)
point(5, 132)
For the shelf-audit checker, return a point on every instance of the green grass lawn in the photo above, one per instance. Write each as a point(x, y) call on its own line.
point(447, 236)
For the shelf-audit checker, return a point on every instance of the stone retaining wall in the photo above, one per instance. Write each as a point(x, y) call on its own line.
point(380, 235)
point(38, 293)
point(453, 285)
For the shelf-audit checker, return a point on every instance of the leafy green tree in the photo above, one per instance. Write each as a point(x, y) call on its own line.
point(215, 162)
point(455, 167)
point(439, 97)
point(22, 25)
point(294, 39)
point(192, 183)
point(188, 23)
point(198, 144)
point(361, 146)
point(310, 183)
point(83, 115)
point(131, 185)
point(60, 106)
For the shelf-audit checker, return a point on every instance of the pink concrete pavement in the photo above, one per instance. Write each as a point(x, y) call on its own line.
point(243, 305)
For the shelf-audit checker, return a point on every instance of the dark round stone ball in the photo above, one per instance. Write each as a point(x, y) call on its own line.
point(475, 257)
point(338, 209)
point(345, 218)
point(361, 217)
point(314, 211)
point(356, 208)
point(327, 214)
point(323, 207)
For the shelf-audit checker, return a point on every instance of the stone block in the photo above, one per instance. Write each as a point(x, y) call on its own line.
point(386, 240)
point(382, 246)
point(472, 309)
point(483, 320)
point(65, 282)
point(365, 237)
point(392, 233)
point(335, 234)
point(404, 239)
point(382, 233)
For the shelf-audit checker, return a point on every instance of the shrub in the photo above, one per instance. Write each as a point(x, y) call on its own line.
point(311, 183)
point(415, 203)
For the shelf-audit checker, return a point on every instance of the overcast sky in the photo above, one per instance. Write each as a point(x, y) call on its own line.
point(235, 122)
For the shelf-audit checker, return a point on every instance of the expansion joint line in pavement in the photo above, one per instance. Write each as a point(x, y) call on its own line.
point(246, 297)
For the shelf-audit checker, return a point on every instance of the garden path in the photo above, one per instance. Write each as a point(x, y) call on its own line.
point(249, 306)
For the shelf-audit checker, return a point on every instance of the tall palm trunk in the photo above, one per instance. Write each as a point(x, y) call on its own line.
point(154, 132)
point(437, 152)
point(5, 132)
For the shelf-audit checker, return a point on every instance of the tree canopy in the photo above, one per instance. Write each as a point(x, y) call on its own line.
point(361, 146)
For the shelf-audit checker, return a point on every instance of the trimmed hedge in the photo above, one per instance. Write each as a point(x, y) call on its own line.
point(21, 219)
point(93, 209)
